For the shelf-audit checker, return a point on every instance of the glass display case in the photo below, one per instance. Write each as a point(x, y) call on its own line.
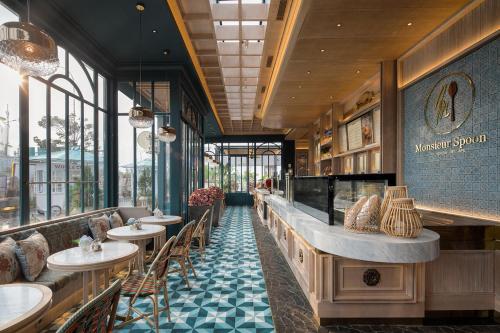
point(328, 197)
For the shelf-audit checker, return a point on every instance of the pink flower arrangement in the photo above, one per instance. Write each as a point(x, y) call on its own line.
point(268, 183)
point(216, 192)
point(201, 197)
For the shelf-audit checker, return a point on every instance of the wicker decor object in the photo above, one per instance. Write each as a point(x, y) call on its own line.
point(352, 213)
point(391, 193)
point(368, 217)
point(402, 219)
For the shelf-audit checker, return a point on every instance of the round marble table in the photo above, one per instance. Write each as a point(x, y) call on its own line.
point(22, 304)
point(161, 220)
point(76, 260)
point(139, 237)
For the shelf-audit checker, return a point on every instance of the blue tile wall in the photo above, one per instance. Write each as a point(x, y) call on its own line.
point(458, 182)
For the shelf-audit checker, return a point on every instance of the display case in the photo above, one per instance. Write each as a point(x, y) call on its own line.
point(328, 197)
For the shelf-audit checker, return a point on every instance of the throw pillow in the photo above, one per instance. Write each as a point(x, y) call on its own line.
point(32, 254)
point(99, 227)
point(9, 266)
point(115, 220)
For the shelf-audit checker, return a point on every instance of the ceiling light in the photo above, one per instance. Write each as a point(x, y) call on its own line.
point(300, 86)
point(331, 97)
point(339, 25)
point(323, 50)
point(308, 72)
point(410, 24)
point(154, 31)
point(139, 116)
point(358, 71)
point(166, 134)
point(28, 49)
point(166, 52)
point(293, 97)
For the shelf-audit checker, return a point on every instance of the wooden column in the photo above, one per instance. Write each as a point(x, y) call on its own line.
point(388, 119)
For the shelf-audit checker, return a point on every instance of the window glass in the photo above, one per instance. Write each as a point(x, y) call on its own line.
point(125, 161)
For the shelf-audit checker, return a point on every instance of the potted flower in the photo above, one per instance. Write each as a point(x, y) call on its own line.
point(218, 195)
point(199, 201)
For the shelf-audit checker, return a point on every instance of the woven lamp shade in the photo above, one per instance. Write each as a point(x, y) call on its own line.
point(391, 193)
point(402, 219)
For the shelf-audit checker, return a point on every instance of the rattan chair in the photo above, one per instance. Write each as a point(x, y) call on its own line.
point(180, 252)
point(149, 286)
point(199, 233)
point(96, 316)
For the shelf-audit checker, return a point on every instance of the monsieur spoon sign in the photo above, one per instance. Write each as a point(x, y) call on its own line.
point(455, 144)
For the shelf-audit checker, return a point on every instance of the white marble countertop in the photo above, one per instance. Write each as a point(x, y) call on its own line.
point(369, 247)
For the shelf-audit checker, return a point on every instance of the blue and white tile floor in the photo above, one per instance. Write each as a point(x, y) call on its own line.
point(229, 294)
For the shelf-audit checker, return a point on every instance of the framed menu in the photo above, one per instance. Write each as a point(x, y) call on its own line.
point(354, 134)
point(342, 139)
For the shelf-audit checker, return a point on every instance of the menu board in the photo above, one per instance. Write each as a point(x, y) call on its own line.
point(354, 134)
point(342, 139)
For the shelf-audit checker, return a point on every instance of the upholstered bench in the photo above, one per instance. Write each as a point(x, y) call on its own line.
point(60, 234)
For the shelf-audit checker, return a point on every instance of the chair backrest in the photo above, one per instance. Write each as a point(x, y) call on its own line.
point(96, 316)
point(200, 227)
point(160, 264)
point(185, 235)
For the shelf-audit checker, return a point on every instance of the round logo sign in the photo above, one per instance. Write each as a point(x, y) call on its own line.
point(449, 103)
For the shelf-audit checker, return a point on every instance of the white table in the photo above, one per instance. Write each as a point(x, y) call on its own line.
point(77, 260)
point(163, 220)
point(139, 237)
point(22, 304)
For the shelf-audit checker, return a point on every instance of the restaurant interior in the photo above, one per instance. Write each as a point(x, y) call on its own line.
point(250, 166)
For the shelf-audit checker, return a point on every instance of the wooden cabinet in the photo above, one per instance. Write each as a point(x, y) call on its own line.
point(303, 261)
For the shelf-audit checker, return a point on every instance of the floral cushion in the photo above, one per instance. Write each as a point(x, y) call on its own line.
point(99, 227)
point(115, 220)
point(32, 254)
point(9, 266)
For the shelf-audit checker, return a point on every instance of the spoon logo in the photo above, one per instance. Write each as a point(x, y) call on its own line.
point(449, 103)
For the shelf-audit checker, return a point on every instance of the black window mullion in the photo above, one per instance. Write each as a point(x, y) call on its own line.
point(82, 158)
point(134, 178)
point(66, 153)
point(48, 155)
point(96, 141)
point(153, 168)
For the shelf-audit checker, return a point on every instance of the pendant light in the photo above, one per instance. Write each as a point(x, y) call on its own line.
point(140, 116)
point(167, 133)
point(28, 49)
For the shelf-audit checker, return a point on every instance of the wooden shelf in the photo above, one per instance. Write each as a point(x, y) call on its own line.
point(326, 159)
point(359, 150)
point(361, 111)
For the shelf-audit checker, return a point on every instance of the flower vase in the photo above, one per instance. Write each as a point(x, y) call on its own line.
point(196, 212)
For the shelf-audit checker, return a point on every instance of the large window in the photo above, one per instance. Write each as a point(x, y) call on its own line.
point(66, 140)
point(238, 167)
point(9, 139)
point(65, 116)
point(139, 151)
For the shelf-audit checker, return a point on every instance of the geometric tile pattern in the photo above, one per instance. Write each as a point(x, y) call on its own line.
point(229, 294)
point(458, 180)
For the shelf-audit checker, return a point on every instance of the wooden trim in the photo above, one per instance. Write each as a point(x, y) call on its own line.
point(297, 14)
point(176, 13)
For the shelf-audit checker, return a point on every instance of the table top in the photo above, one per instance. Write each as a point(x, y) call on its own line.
point(77, 260)
point(163, 220)
point(21, 303)
point(125, 233)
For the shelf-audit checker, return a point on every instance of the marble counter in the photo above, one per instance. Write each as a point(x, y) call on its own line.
point(368, 247)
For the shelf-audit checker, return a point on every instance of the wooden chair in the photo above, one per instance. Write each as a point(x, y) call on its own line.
point(199, 233)
point(180, 252)
point(149, 286)
point(96, 316)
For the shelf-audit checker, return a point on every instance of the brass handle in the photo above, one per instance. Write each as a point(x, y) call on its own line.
point(301, 256)
point(371, 277)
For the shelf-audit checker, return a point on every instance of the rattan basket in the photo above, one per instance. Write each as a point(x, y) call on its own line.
point(402, 219)
point(367, 216)
point(392, 192)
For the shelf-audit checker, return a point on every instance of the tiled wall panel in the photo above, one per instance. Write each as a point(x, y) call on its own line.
point(466, 181)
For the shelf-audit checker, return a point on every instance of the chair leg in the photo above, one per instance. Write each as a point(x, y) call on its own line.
point(184, 271)
point(167, 304)
point(155, 312)
point(191, 265)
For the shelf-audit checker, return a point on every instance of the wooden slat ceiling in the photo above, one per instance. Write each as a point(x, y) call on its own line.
point(232, 42)
point(356, 35)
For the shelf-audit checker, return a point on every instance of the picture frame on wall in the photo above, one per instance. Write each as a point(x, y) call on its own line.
point(354, 134)
point(342, 139)
point(367, 129)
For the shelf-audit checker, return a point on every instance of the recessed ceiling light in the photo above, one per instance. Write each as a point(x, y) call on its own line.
point(308, 72)
point(331, 97)
point(154, 31)
point(410, 24)
point(166, 52)
point(293, 97)
point(322, 50)
point(358, 71)
point(300, 86)
point(339, 25)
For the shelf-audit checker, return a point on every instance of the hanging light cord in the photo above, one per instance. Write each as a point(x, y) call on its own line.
point(28, 3)
point(140, 57)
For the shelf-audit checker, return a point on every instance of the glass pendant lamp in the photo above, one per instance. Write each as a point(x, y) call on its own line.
point(167, 133)
point(28, 49)
point(140, 116)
